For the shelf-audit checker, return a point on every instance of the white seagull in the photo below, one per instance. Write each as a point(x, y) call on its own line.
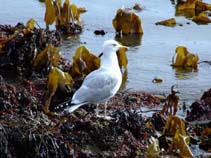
point(102, 84)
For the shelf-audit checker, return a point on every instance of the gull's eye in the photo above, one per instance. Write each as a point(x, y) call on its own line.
point(114, 45)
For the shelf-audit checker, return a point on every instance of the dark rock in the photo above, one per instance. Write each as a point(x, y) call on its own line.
point(99, 32)
point(200, 109)
point(163, 143)
point(206, 145)
point(158, 121)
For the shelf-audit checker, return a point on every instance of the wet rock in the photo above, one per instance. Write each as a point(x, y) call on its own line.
point(164, 143)
point(100, 32)
point(200, 109)
point(205, 144)
point(72, 29)
point(158, 120)
point(138, 7)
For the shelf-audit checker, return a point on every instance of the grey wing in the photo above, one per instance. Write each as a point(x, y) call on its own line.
point(97, 87)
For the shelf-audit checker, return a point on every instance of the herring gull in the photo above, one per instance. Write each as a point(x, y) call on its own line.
point(102, 84)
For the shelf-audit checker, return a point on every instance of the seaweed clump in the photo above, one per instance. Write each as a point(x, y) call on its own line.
point(25, 131)
point(127, 136)
point(22, 46)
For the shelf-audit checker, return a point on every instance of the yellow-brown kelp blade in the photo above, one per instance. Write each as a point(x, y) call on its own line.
point(50, 12)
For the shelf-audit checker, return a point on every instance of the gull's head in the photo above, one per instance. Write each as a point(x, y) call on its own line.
point(112, 46)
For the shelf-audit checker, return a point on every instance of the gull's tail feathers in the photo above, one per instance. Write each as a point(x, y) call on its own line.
point(72, 107)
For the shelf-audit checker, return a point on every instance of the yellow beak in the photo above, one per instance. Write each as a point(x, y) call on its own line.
point(123, 48)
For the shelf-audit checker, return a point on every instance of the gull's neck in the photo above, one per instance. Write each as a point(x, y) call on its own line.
point(110, 61)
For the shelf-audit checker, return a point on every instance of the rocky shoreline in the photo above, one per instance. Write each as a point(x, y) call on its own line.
point(26, 131)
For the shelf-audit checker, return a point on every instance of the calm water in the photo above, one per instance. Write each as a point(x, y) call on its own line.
point(151, 54)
